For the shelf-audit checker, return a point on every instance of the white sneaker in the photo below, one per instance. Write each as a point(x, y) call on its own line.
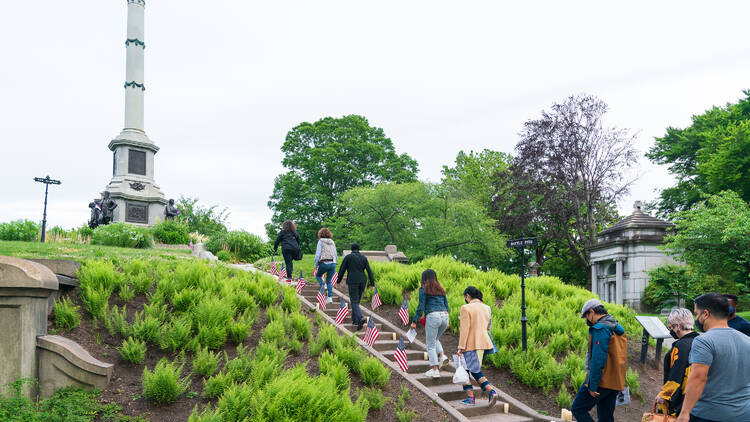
point(329, 300)
point(433, 373)
point(443, 359)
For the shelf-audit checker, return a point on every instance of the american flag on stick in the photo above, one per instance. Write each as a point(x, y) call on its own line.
point(400, 356)
point(300, 283)
point(403, 312)
point(371, 335)
point(321, 298)
point(375, 304)
point(315, 271)
point(273, 267)
point(283, 271)
point(343, 312)
point(335, 279)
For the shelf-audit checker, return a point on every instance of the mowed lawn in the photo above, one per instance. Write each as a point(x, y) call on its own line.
point(83, 251)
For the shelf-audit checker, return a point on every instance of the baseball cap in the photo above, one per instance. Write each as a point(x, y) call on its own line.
point(589, 305)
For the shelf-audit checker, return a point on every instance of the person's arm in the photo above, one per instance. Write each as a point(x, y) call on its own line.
point(343, 268)
point(694, 389)
point(463, 330)
point(445, 301)
point(369, 272)
point(420, 306)
point(276, 243)
point(317, 253)
point(599, 347)
point(296, 237)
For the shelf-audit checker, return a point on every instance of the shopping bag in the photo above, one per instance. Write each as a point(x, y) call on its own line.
point(460, 377)
point(652, 416)
point(623, 397)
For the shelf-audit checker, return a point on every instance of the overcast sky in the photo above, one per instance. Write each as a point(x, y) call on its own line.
point(226, 80)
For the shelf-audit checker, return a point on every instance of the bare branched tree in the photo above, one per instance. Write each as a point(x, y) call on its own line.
point(575, 169)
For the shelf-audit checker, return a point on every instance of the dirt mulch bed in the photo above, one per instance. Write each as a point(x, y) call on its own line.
point(126, 390)
point(650, 376)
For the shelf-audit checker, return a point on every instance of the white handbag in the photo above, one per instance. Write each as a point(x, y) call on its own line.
point(461, 376)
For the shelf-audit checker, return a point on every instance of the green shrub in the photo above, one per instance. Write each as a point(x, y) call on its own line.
point(577, 378)
point(66, 314)
point(224, 255)
point(290, 301)
point(142, 283)
point(117, 322)
point(633, 383)
point(236, 403)
point(176, 334)
point(215, 386)
point(85, 231)
point(123, 235)
point(163, 385)
point(172, 232)
point(375, 398)
point(213, 311)
point(211, 336)
point(564, 399)
point(352, 357)
point(205, 362)
point(133, 350)
point(158, 311)
point(331, 366)
point(327, 338)
point(274, 331)
point(239, 330)
point(146, 327)
point(245, 247)
point(186, 298)
point(302, 326)
point(24, 230)
point(126, 293)
point(95, 300)
point(405, 415)
point(373, 372)
point(205, 415)
point(295, 396)
point(101, 274)
point(238, 369)
point(266, 291)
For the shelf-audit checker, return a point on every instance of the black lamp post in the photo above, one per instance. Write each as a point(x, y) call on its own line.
point(520, 245)
point(47, 181)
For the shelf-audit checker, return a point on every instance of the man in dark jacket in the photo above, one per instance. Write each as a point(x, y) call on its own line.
point(605, 365)
point(735, 321)
point(356, 264)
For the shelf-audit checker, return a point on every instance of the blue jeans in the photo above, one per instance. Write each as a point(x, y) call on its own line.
point(329, 268)
point(605, 405)
point(434, 326)
point(694, 418)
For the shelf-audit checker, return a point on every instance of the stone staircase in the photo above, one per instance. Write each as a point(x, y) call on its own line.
point(441, 390)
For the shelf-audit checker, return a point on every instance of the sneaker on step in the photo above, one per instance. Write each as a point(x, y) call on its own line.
point(433, 373)
point(329, 300)
point(469, 400)
point(493, 398)
point(443, 359)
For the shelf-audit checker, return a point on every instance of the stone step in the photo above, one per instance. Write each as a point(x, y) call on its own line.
point(418, 365)
point(449, 392)
point(446, 377)
point(500, 417)
point(385, 335)
point(410, 354)
point(381, 345)
point(481, 407)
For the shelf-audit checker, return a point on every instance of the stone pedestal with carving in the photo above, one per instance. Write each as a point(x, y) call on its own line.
point(139, 199)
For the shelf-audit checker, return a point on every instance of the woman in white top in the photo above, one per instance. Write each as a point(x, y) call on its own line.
point(325, 260)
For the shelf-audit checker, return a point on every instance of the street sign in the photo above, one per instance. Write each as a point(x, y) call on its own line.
point(47, 181)
point(522, 243)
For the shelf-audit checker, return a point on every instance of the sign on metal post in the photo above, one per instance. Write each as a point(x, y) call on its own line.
point(47, 181)
point(520, 245)
point(652, 326)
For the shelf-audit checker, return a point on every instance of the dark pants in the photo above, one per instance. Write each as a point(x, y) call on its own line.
point(481, 380)
point(288, 261)
point(328, 269)
point(355, 295)
point(605, 405)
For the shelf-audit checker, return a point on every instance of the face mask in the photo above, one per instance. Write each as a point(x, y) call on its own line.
point(698, 324)
point(731, 310)
point(589, 323)
point(673, 334)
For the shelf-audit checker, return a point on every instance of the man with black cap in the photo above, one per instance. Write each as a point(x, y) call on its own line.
point(606, 360)
point(356, 264)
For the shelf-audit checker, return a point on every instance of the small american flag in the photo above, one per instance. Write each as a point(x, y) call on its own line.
point(400, 356)
point(322, 298)
point(403, 312)
point(283, 271)
point(315, 271)
point(273, 267)
point(335, 279)
point(343, 312)
point(371, 335)
point(375, 304)
point(191, 244)
point(300, 283)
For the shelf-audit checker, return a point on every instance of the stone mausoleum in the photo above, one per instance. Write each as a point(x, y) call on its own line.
point(624, 254)
point(139, 199)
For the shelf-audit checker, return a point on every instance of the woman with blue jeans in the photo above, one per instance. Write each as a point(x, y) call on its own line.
point(434, 304)
point(325, 260)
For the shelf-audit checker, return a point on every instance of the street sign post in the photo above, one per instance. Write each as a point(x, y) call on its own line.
point(520, 245)
point(47, 181)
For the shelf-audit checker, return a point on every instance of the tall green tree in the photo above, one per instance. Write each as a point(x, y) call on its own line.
point(707, 157)
point(325, 159)
point(714, 238)
point(207, 221)
point(473, 175)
